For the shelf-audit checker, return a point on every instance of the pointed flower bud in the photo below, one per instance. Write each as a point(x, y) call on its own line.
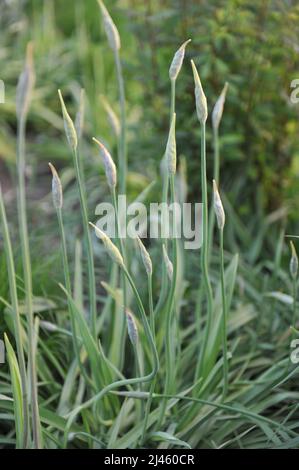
point(293, 261)
point(25, 85)
point(110, 28)
point(111, 249)
point(132, 327)
point(56, 188)
point(200, 97)
point(177, 61)
point(112, 117)
point(218, 207)
point(109, 165)
point(218, 108)
point(146, 259)
point(170, 152)
point(168, 264)
point(69, 127)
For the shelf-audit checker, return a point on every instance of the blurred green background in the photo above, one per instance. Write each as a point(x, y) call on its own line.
point(251, 44)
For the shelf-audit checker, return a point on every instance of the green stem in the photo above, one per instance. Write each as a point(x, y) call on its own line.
point(170, 359)
point(138, 372)
point(165, 190)
point(216, 178)
point(119, 239)
point(23, 229)
point(68, 288)
point(87, 235)
point(122, 157)
point(123, 278)
point(294, 304)
point(17, 321)
point(153, 384)
point(172, 100)
point(224, 319)
point(204, 252)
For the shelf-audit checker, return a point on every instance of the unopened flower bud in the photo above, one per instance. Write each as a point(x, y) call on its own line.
point(218, 207)
point(200, 98)
point(109, 165)
point(111, 249)
point(293, 261)
point(177, 61)
point(57, 194)
point(69, 127)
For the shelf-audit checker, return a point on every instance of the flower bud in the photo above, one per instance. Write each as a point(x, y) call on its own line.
point(69, 127)
point(200, 98)
point(168, 264)
point(218, 108)
point(146, 259)
point(293, 261)
point(111, 249)
point(177, 61)
point(110, 28)
point(170, 152)
point(56, 188)
point(218, 207)
point(109, 165)
point(132, 327)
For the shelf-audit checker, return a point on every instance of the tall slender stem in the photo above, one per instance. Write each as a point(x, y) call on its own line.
point(165, 190)
point(294, 302)
point(87, 235)
point(153, 384)
point(16, 313)
point(170, 360)
point(216, 178)
point(23, 229)
point(123, 278)
point(122, 157)
point(224, 319)
point(204, 251)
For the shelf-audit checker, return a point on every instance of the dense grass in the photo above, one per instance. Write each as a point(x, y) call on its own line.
point(131, 345)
